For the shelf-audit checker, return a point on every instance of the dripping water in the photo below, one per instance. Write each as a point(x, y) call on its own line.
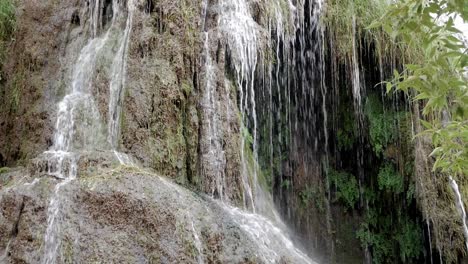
point(213, 155)
point(240, 31)
point(117, 85)
point(78, 126)
point(272, 241)
point(460, 207)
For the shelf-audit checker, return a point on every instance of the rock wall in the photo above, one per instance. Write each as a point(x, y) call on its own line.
point(162, 124)
point(34, 75)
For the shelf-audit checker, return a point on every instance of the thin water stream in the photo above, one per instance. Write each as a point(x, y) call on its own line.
point(460, 208)
point(79, 126)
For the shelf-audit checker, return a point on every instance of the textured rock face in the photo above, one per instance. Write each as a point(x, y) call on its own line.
point(160, 119)
point(162, 122)
point(125, 215)
point(33, 75)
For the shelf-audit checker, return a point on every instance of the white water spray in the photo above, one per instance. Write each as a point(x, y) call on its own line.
point(272, 242)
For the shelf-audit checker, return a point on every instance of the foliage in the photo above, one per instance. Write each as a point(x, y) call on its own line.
point(347, 190)
point(410, 239)
point(383, 128)
point(390, 180)
point(310, 194)
point(390, 239)
point(7, 18)
point(4, 170)
point(346, 22)
point(7, 23)
point(338, 18)
point(440, 80)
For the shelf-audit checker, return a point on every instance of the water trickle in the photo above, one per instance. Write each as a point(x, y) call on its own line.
point(118, 78)
point(460, 208)
point(213, 155)
point(79, 126)
point(356, 78)
point(198, 244)
point(272, 241)
point(430, 239)
point(241, 32)
point(4, 256)
point(51, 239)
point(203, 14)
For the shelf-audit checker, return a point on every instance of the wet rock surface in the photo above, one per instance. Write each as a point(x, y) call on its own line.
point(124, 215)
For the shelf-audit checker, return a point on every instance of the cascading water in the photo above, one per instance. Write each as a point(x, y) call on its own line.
point(243, 39)
point(79, 126)
point(117, 92)
point(272, 241)
point(460, 207)
point(241, 31)
point(118, 78)
point(213, 156)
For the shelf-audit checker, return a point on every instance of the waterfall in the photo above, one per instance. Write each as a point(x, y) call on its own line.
point(244, 40)
point(272, 241)
point(117, 85)
point(213, 156)
point(356, 76)
point(460, 207)
point(118, 78)
point(79, 126)
point(241, 33)
point(51, 239)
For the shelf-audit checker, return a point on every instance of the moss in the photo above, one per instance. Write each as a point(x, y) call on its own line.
point(338, 20)
point(4, 170)
point(5, 179)
point(67, 249)
point(168, 156)
point(346, 133)
point(186, 237)
point(187, 88)
point(7, 24)
point(312, 194)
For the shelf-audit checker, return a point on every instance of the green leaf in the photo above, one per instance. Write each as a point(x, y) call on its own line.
point(426, 124)
point(388, 87)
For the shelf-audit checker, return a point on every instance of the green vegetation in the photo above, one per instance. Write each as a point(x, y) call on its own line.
point(312, 194)
point(440, 81)
point(390, 180)
point(346, 133)
point(7, 24)
point(391, 241)
point(383, 125)
point(4, 170)
point(390, 198)
point(389, 228)
point(347, 190)
point(7, 18)
point(340, 15)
